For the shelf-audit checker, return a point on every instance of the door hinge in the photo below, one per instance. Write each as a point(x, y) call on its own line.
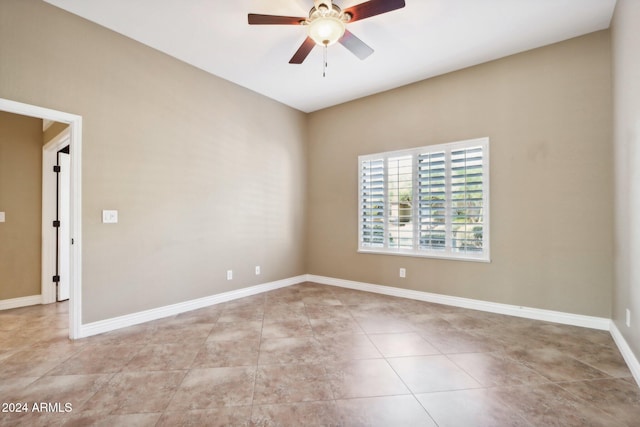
point(56, 279)
point(56, 224)
point(56, 169)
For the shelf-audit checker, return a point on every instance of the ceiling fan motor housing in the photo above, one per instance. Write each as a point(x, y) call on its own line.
point(322, 4)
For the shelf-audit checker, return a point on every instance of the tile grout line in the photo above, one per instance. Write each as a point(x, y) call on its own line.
point(325, 360)
point(398, 375)
point(255, 372)
point(410, 391)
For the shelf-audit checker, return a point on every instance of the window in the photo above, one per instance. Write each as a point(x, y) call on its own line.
point(431, 201)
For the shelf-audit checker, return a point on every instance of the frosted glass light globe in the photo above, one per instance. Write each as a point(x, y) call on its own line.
point(326, 30)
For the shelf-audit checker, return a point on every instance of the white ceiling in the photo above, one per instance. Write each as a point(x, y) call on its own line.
point(424, 39)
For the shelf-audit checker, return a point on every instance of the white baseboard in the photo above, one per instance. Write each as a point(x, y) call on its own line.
point(7, 304)
point(627, 353)
point(112, 324)
point(492, 307)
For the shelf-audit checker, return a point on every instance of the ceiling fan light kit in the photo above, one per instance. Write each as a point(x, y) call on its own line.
point(327, 25)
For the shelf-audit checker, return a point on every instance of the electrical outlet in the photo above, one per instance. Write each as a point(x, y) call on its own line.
point(229, 274)
point(257, 270)
point(403, 272)
point(628, 318)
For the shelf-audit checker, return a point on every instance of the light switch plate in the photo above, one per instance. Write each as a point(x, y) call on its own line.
point(1, 216)
point(109, 217)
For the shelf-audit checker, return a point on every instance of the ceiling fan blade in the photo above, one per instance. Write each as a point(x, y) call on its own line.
point(355, 45)
point(373, 8)
point(303, 51)
point(255, 19)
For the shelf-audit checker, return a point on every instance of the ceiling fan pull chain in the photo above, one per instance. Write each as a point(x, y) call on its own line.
point(324, 62)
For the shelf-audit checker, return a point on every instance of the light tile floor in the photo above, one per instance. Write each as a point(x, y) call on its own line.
point(315, 355)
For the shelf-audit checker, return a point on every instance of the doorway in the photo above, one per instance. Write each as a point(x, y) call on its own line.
point(63, 232)
point(49, 294)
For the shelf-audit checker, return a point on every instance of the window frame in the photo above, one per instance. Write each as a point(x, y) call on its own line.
point(448, 252)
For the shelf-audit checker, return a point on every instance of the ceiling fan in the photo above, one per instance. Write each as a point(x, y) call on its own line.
point(326, 25)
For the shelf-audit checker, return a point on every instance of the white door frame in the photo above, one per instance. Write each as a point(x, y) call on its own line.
point(49, 184)
point(75, 145)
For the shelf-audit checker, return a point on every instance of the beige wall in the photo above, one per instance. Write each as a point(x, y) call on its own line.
point(21, 200)
point(206, 175)
point(548, 115)
point(626, 69)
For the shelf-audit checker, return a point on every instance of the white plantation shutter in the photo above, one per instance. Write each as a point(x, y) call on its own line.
point(467, 199)
point(372, 203)
point(430, 201)
point(432, 195)
point(399, 202)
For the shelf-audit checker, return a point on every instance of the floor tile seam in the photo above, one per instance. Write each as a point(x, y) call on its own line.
point(411, 392)
point(175, 391)
point(49, 375)
point(306, 313)
point(396, 333)
point(400, 377)
point(425, 409)
point(587, 403)
point(408, 393)
point(592, 366)
point(296, 402)
point(437, 347)
point(107, 382)
point(186, 368)
point(563, 384)
point(257, 364)
point(359, 325)
point(382, 356)
point(510, 386)
point(529, 365)
point(520, 414)
point(46, 374)
point(130, 359)
point(538, 371)
point(526, 387)
point(294, 364)
point(468, 351)
point(351, 315)
point(333, 402)
point(465, 371)
point(12, 353)
point(503, 354)
point(27, 385)
point(328, 379)
point(593, 380)
point(253, 390)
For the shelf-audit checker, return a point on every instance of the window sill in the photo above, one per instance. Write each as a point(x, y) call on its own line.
point(483, 258)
